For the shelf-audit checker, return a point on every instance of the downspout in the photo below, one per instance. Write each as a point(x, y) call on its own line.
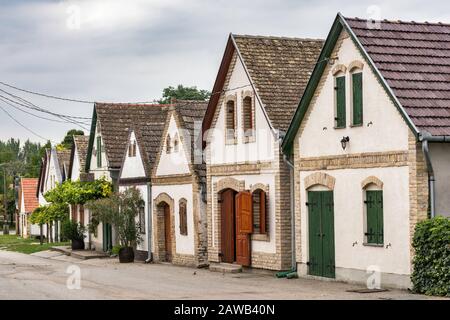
point(149, 223)
point(291, 198)
point(425, 137)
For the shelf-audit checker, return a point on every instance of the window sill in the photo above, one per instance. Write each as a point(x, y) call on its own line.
point(230, 141)
point(356, 125)
point(340, 127)
point(249, 139)
point(261, 237)
point(376, 245)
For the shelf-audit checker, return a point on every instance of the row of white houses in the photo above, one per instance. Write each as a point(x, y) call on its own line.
point(311, 155)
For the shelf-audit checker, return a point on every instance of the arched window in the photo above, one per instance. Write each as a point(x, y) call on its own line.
point(168, 144)
point(175, 143)
point(132, 149)
point(259, 212)
point(248, 116)
point(374, 224)
point(182, 211)
point(230, 120)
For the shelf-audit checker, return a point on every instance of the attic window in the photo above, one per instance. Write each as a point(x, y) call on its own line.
point(230, 120)
point(248, 116)
point(175, 143)
point(132, 149)
point(168, 144)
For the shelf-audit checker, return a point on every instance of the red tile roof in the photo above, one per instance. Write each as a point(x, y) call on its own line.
point(28, 191)
point(414, 59)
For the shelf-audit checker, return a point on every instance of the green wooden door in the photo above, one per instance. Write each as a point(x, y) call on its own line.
point(107, 237)
point(321, 234)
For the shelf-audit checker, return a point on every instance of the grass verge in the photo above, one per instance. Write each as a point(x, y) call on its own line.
point(28, 246)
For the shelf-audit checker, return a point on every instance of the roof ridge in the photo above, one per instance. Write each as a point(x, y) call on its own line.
point(425, 23)
point(275, 37)
point(132, 104)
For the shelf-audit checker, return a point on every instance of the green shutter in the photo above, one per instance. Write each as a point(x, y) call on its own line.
point(374, 201)
point(99, 152)
point(340, 102)
point(357, 99)
point(315, 243)
point(328, 234)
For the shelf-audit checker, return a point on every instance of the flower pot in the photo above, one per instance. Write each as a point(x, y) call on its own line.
point(77, 244)
point(126, 255)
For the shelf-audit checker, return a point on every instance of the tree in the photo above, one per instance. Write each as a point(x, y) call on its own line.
point(183, 93)
point(68, 139)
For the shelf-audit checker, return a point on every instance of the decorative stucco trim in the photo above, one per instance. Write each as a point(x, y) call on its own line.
point(340, 68)
point(229, 183)
point(320, 178)
point(259, 186)
point(356, 64)
point(371, 180)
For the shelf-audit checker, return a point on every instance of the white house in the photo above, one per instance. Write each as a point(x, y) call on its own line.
point(258, 86)
point(364, 140)
point(28, 202)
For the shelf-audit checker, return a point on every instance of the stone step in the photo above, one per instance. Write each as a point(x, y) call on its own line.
point(225, 267)
point(80, 254)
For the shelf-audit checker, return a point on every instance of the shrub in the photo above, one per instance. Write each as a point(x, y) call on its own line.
point(72, 230)
point(431, 242)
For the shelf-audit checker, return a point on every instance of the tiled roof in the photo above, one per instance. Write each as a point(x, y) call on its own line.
point(63, 160)
point(28, 191)
point(280, 69)
point(191, 115)
point(82, 145)
point(116, 120)
point(414, 59)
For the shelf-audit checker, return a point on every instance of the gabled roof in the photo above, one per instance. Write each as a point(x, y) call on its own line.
point(116, 119)
point(279, 69)
point(410, 60)
point(80, 144)
point(28, 187)
point(43, 172)
point(63, 161)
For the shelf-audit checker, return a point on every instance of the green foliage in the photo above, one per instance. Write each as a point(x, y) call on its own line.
point(68, 139)
point(431, 242)
point(72, 230)
point(38, 216)
point(183, 93)
point(50, 213)
point(116, 249)
point(77, 192)
point(120, 210)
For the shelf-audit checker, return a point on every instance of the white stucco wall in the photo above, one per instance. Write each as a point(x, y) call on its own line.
point(266, 179)
point(174, 162)
point(184, 243)
point(349, 220)
point(383, 127)
point(75, 174)
point(54, 171)
point(440, 158)
point(263, 147)
point(133, 166)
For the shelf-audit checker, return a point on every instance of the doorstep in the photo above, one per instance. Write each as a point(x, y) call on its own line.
point(80, 254)
point(225, 267)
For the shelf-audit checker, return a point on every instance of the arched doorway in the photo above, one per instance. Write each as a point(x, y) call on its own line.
point(165, 227)
point(228, 225)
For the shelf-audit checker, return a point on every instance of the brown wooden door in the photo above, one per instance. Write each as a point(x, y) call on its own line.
point(227, 226)
point(244, 227)
point(167, 233)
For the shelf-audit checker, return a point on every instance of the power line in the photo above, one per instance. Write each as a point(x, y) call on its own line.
point(20, 124)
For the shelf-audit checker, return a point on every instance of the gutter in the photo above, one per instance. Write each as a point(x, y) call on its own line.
point(425, 137)
point(149, 223)
point(291, 187)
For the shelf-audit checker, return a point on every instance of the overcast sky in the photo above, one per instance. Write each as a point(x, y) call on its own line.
point(126, 51)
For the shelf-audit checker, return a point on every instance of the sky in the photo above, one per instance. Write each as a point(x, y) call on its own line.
point(128, 51)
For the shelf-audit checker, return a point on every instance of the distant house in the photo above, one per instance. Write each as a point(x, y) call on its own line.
point(367, 142)
point(258, 86)
point(109, 136)
point(28, 202)
point(77, 172)
point(179, 188)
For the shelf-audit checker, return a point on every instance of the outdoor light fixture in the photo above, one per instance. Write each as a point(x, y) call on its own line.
point(344, 142)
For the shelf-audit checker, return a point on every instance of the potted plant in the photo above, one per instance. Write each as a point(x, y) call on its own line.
point(120, 210)
point(75, 232)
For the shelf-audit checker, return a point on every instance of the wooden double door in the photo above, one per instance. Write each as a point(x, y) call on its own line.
point(321, 234)
point(236, 227)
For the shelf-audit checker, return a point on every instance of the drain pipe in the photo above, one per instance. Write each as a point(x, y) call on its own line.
point(425, 138)
point(149, 223)
point(291, 186)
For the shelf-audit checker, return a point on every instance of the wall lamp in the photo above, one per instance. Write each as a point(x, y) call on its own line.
point(344, 142)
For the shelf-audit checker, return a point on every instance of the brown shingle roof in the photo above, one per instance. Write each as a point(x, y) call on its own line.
point(414, 59)
point(280, 69)
point(28, 192)
point(116, 120)
point(82, 145)
point(63, 160)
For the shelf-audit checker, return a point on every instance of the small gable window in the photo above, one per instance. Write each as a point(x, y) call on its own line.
point(259, 212)
point(374, 228)
point(357, 98)
point(168, 144)
point(99, 152)
point(182, 211)
point(248, 116)
point(176, 143)
point(339, 90)
point(132, 149)
point(230, 120)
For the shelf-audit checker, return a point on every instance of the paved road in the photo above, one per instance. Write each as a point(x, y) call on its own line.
point(44, 277)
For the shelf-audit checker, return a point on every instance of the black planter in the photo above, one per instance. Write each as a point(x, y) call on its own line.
point(126, 255)
point(77, 244)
